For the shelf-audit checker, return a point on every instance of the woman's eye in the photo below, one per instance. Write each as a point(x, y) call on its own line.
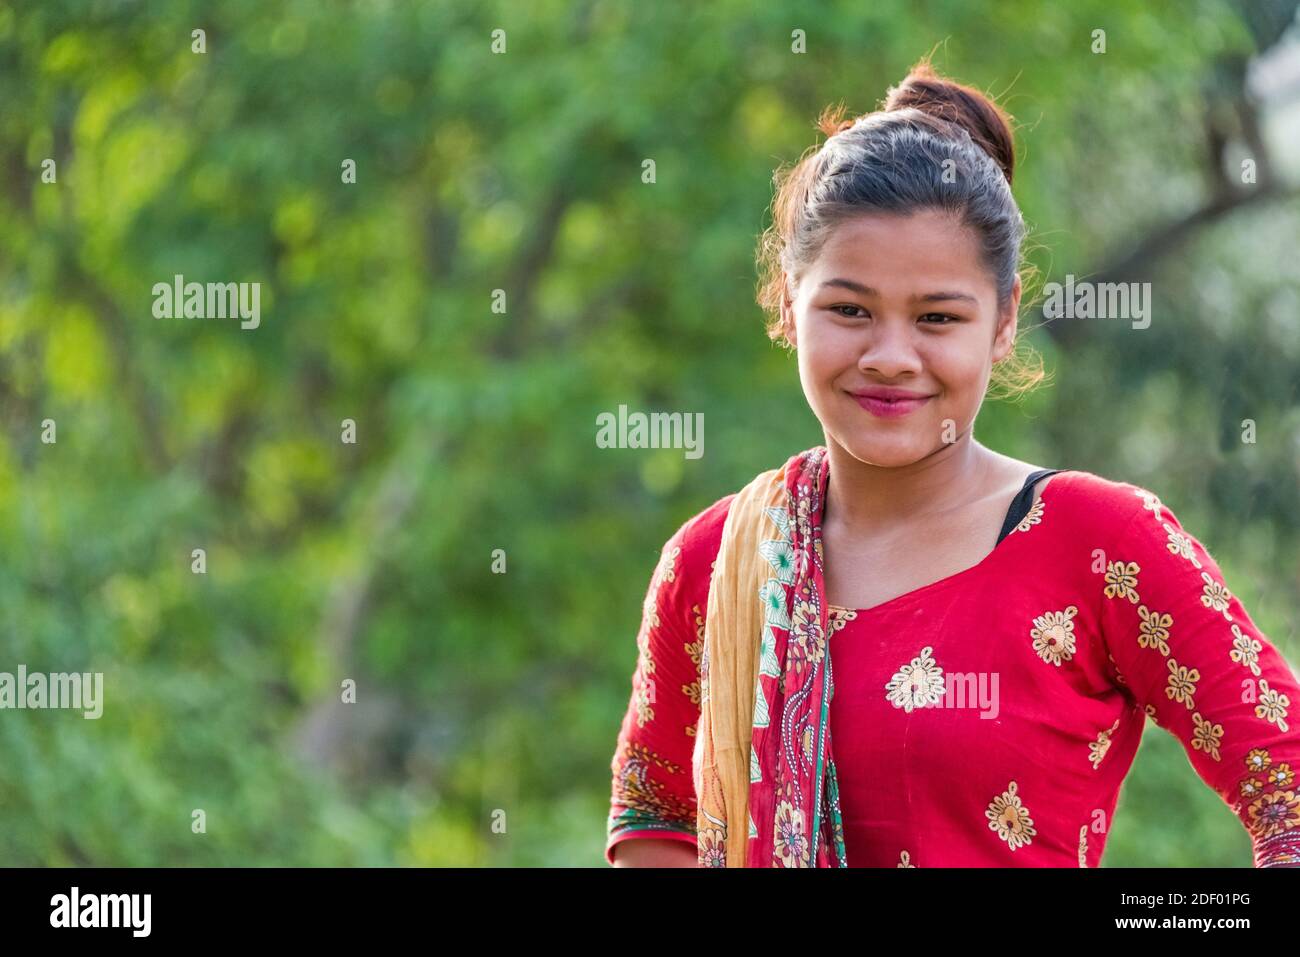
point(859, 308)
point(942, 316)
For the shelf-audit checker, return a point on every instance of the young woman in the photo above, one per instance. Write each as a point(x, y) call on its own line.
point(1000, 632)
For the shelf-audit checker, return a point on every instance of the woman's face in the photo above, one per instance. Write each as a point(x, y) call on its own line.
point(899, 302)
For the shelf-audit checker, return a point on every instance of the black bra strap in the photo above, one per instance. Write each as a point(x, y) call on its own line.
point(1023, 501)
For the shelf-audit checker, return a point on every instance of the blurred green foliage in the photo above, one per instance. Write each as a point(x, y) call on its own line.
point(475, 430)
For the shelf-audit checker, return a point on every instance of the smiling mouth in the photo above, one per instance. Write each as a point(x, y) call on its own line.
point(890, 408)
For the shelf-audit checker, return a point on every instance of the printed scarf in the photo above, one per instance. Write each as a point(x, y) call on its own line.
point(765, 782)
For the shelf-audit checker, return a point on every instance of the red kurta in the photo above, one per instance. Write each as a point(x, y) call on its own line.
point(989, 718)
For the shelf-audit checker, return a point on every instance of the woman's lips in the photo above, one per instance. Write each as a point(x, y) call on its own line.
point(887, 409)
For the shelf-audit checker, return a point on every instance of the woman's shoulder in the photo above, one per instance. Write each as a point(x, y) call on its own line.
point(1105, 505)
point(682, 577)
point(696, 542)
point(693, 547)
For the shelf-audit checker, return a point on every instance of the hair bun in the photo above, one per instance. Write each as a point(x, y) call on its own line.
point(988, 124)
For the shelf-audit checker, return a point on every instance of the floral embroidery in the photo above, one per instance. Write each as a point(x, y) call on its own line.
point(1121, 580)
point(650, 610)
point(1251, 787)
point(1154, 630)
point(1216, 595)
point(1053, 635)
point(1083, 846)
point(694, 648)
point(1032, 517)
point(1151, 713)
point(1245, 650)
point(1182, 683)
point(905, 860)
point(1269, 813)
point(1149, 500)
point(1258, 760)
point(670, 561)
point(647, 802)
point(1272, 705)
point(917, 684)
point(1097, 749)
point(1010, 819)
point(1275, 812)
point(1115, 667)
point(1179, 544)
point(645, 691)
point(1207, 737)
point(839, 617)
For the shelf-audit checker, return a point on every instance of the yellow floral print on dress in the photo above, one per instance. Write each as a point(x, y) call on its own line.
point(1245, 650)
point(694, 648)
point(1281, 776)
point(905, 860)
point(1150, 500)
point(1053, 635)
point(1207, 737)
point(1251, 788)
point(839, 617)
point(1182, 683)
point(670, 562)
point(1272, 705)
point(1154, 630)
point(1274, 813)
point(1216, 595)
point(917, 684)
point(1274, 808)
point(1010, 819)
point(1180, 544)
point(1121, 580)
point(1032, 517)
point(1118, 677)
point(1097, 749)
point(650, 610)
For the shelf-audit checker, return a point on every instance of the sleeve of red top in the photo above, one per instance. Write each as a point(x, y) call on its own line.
point(1187, 650)
point(653, 792)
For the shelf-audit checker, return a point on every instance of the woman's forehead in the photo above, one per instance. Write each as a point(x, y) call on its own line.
point(900, 256)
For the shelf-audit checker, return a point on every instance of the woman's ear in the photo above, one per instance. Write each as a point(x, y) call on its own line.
point(1005, 337)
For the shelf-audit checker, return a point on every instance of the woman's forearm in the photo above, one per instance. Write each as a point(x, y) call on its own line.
point(654, 852)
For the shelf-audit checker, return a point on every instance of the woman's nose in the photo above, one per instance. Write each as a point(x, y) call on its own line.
point(890, 350)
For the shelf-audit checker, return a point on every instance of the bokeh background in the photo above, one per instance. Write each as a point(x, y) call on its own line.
point(522, 171)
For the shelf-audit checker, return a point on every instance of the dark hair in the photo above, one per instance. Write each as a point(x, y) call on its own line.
point(936, 144)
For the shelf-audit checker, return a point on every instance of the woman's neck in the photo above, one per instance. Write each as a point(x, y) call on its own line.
point(871, 499)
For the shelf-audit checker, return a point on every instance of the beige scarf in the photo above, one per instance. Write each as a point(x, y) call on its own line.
point(729, 673)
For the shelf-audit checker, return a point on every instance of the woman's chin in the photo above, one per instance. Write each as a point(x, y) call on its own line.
point(886, 451)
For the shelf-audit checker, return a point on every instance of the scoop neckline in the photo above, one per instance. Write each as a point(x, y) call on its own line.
point(947, 579)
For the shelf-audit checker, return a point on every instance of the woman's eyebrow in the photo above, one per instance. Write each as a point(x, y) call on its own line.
point(942, 296)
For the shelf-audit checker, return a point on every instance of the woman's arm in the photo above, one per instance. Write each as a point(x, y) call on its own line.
point(653, 788)
point(653, 808)
point(1188, 651)
point(654, 852)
